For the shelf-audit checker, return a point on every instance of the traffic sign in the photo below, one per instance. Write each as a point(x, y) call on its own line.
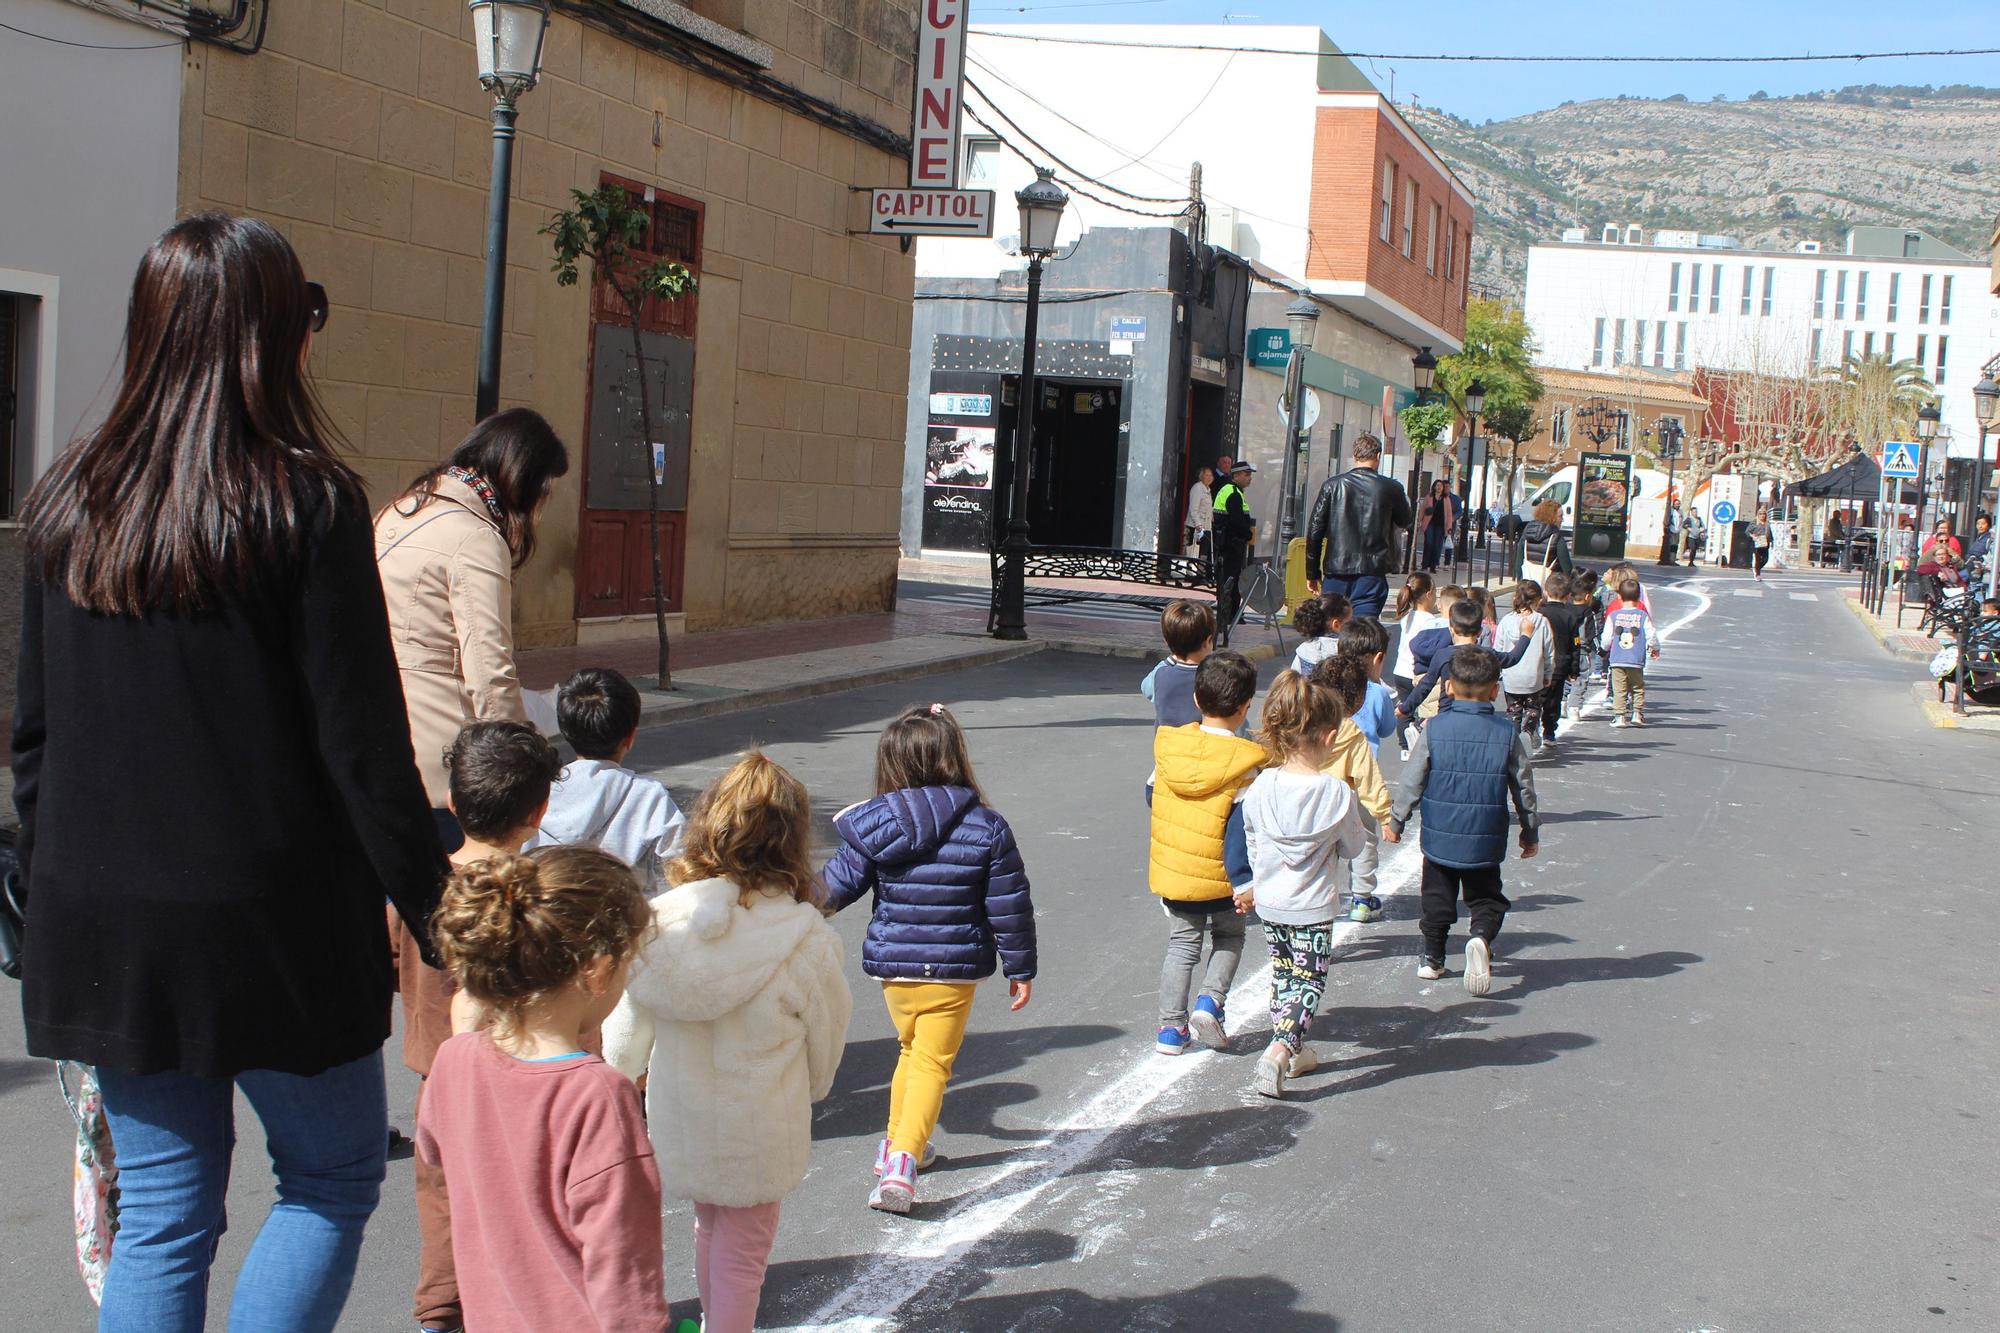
point(905, 212)
point(1309, 410)
point(1899, 459)
point(1725, 512)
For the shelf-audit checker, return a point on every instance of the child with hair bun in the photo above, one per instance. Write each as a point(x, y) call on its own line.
point(741, 1009)
point(1300, 822)
point(951, 907)
point(555, 1196)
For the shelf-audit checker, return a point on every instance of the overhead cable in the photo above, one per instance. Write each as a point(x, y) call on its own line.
point(1002, 33)
point(1051, 154)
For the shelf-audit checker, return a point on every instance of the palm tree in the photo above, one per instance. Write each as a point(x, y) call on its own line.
point(1876, 399)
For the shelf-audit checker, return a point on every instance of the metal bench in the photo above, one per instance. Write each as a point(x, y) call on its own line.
point(1181, 573)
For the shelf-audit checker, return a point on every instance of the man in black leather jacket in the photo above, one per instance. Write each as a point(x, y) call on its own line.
point(1351, 539)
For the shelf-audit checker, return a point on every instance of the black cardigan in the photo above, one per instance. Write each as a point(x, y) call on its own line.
point(213, 808)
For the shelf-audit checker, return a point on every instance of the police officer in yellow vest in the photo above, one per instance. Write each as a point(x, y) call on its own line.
point(1235, 529)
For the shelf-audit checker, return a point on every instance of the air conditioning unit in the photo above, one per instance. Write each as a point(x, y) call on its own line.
point(1222, 226)
point(1574, 235)
point(1611, 233)
point(1633, 236)
point(1808, 247)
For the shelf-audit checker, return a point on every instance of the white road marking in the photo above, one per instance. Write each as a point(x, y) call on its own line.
point(1749, 592)
point(1805, 597)
point(882, 1287)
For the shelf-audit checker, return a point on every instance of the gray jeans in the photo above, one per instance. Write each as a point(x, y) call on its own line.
point(1361, 870)
point(1224, 930)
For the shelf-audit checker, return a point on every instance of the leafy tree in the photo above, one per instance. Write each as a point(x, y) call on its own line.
point(1499, 352)
point(604, 225)
point(1425, 423)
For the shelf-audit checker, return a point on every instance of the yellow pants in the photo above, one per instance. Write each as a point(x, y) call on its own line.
point(930, 1024)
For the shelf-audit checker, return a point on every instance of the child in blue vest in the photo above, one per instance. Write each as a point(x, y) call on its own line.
point(1464, 769)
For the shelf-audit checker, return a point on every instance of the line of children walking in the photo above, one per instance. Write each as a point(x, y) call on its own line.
point(1310, 797)
point(733, 993)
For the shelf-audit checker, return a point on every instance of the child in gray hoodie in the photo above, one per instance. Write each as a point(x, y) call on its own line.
point(598, 802)
point(1300, 822)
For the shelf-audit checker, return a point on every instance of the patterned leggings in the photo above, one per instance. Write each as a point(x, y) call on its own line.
point(1300, 956)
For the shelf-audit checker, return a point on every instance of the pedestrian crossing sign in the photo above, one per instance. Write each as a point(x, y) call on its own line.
point(1899, 459)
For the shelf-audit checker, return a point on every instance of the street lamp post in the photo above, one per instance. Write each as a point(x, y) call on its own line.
point(1042, 202)
point(1927, 429)
point(1986, 406)
point(1670, 448)
point(1424, 369)
point(507, 36)
point(1302, 316)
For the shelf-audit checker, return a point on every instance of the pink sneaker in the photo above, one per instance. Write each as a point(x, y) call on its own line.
point(896, 1191)
point(925, 1159)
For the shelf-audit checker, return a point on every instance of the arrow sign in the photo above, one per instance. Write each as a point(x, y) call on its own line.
point(904, 212)
point(1899, 459)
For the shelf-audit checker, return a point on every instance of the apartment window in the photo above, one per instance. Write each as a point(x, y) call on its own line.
point(1868, 344)
point(1861, 294)
point(1674, 288)
point(1944, 301)
point(1618, 344)
point(1895, 292)
point(1431, 240)
point(1840, 294)
point(982, 163)
point(1815, 346)
point(1889, 347)
point(1597, 344)
point(1388, 197)
point(1639, 343)
point(1938, 379)
point(1923, 346)
point(1924, 300)
point(1846, 344)
point(1660, 343)
point(1681, 345)
point(1451, 249)
point(1694, 288)
point(1715, 289)
point(1409, 219)
point(1770, 282)
point(1819, 295)
point(1749, 280)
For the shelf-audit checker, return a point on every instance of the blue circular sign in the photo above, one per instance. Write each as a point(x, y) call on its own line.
point(1725, 512)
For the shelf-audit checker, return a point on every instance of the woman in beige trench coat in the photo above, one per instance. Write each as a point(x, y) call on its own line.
point(447, 549)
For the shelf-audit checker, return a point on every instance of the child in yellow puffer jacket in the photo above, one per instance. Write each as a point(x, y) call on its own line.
point(1198, 854)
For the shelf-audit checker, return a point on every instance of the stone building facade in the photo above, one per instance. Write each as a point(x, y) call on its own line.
point(361, 131)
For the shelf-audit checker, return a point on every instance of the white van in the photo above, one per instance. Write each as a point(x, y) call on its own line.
point(1646, 511)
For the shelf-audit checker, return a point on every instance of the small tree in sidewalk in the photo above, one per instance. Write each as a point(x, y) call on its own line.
point(605, 226)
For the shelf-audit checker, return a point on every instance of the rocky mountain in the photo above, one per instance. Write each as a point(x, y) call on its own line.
point(1771, 170)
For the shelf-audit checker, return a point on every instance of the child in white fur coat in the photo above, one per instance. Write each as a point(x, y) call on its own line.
point(739, 1016)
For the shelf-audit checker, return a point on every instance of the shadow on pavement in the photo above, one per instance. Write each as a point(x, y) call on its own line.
point(1550, 973)
point(1594, 817)
point(794, 1291)
point(1223, 1303)
point(1541, 902)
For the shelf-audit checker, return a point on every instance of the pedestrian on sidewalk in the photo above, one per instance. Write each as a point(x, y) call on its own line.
point(446, 550)
point(1299, 823)
point(1759, 534)
point(1629, 641)
point(216, 790)
point(1197, 859)
point(1319, 621)
point(951, 907)
point(555, 1184)
point(1351, 536)
point(744, 1006)
point(1235, 533)
point(1200, 520)
point(1437, 519)
point(1354, 761)
point(1189, 631)
point(1469, 763)
point(1696, 537)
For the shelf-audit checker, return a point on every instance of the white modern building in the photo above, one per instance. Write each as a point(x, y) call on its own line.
point(1675, 300)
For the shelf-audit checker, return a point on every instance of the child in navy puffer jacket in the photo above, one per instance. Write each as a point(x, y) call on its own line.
point(951, 902)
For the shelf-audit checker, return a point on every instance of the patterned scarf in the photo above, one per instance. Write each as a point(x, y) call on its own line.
point(480, 487)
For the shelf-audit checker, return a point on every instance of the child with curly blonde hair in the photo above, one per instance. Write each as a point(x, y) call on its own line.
point(555, 1197)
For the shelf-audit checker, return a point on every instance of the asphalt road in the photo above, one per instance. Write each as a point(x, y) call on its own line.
point(1736, 1072)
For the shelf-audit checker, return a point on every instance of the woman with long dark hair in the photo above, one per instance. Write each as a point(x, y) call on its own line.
point(447, 549)
point(1437, 519)
point(216, 788)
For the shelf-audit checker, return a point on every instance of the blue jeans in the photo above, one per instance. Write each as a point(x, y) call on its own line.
point(1369, 593)
point(173, 1134)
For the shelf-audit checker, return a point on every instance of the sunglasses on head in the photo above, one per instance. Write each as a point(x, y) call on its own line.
point(316, 306)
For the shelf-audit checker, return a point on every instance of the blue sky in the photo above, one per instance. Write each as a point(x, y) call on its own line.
point(1544, 27)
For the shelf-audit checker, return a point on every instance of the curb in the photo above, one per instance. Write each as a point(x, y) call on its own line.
point(1262, 652)
point(1938, 712)
point(1881, 635)
point(656, 712)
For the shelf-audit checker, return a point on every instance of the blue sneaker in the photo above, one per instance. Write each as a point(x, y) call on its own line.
point(1361, 911)
point(1206, 1021)
point(1172, 1041)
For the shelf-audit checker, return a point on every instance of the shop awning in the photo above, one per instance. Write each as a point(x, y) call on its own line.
point(1859, 478)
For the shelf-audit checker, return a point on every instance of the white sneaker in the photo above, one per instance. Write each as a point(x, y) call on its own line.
point(1428, 970)
point(896, 1191)
point(1272, 1067)
point(1478, 967)
point(925, 1159)
point(1620, 721)
point(1638, 718)
point(1304, 1061)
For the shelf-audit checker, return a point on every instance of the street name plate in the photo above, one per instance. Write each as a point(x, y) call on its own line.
point(908, 212)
